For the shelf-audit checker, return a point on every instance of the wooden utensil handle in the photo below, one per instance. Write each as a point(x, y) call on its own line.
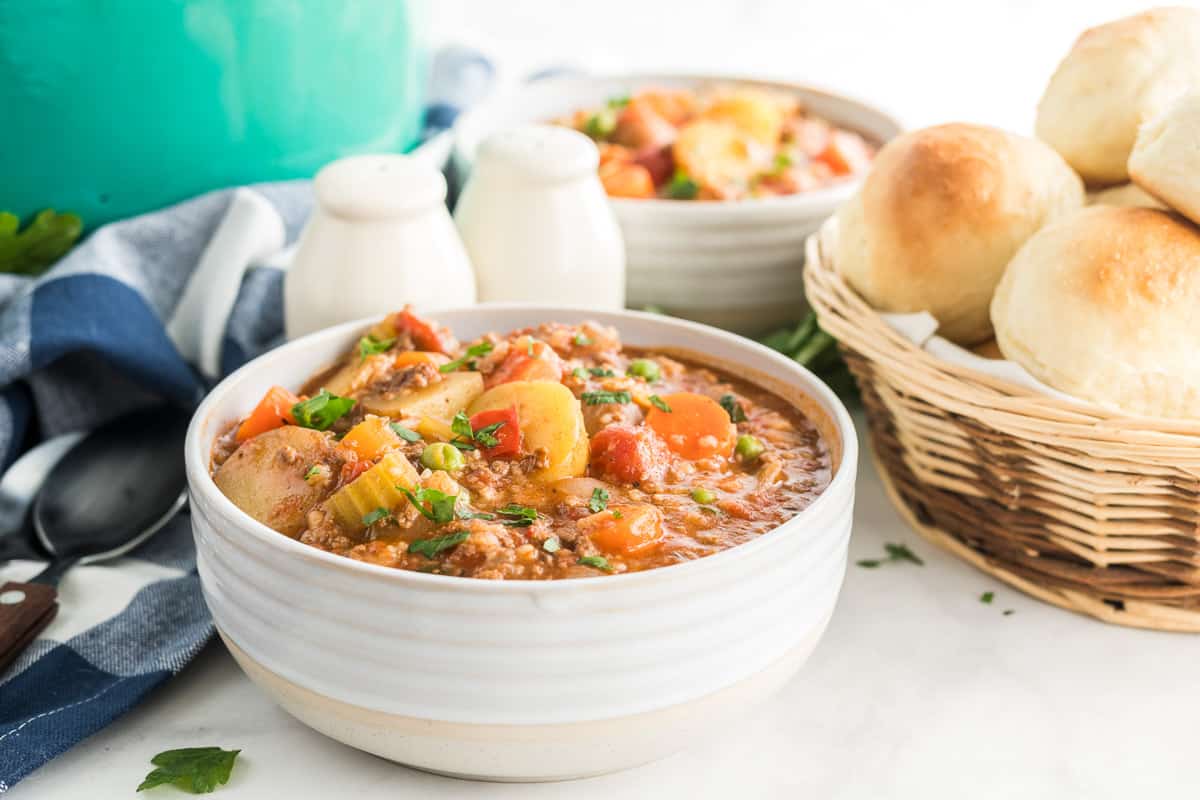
point(25, 611)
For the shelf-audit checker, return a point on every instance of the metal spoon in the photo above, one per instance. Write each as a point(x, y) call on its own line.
point(107, 495)
point(20, 485)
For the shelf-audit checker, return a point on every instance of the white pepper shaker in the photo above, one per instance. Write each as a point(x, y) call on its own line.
point(537, 224)
point(379, 237)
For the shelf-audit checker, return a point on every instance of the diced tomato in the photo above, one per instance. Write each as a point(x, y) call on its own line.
point(508, 435)
point(527, 360)
point(846, 153)
point(425, 335)
point(659, 162)
point(629, 454)
point(627, 180)
point(624, 530)
point(352, 469)
point(640, 126)
point(273, 411)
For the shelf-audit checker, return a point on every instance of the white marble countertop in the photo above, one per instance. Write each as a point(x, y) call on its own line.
point(917, 690)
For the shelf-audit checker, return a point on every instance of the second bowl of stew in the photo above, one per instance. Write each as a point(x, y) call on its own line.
point(716, 180)
point(571, 539)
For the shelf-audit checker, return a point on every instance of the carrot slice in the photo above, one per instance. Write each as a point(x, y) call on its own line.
point(408, 358)
point(695, 427)
point(626, 530)
point(371, 438)
point(273, 411)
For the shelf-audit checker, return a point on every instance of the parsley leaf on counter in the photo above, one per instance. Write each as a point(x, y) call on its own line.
point(895, 553)
point(987, 597)
point(599, 500)
point(321, 411)
point(812, 347)
point(198, 770)
point(48, 237)
point(431, 547)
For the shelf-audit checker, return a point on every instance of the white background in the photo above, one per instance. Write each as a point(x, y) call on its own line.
point(918, 690)
point(929, 61)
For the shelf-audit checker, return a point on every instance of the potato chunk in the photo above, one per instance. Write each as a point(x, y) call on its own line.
point(754, 112)
point(265, 477)
point(439, 401)
point(551, 420)
point(716, 154)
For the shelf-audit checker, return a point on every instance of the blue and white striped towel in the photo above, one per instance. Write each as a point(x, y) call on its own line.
point(88, 341)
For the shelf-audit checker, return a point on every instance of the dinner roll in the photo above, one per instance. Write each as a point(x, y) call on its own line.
point(1166, 157)
point(941, 213)
point(1115, 77)
point(1103, 306)
point(1125, 194)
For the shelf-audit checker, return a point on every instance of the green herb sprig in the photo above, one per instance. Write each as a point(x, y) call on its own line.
point(431, 547)
point(198, 770)
point(321, 411)
point(48, 237)
point(602, 398)
point(895, 553)
point(473, 352)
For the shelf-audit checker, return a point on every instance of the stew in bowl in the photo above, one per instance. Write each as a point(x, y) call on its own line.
point(547, 452)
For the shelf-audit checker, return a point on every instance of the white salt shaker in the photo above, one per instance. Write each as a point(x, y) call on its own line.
point(537, 224)
point(379, 237)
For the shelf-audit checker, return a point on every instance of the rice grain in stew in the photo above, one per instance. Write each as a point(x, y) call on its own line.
point(549, 452)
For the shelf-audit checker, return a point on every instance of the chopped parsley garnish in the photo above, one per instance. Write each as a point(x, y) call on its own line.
point(598, 562)
point(580, 372)
point(371, 517)
point(551, 545)
point(682, 187)
point(659, 403)
point(321, 411)
point(441, 505)
point(733, 408)
point(431, 547)
point(312, 472)
point(987, 597)
point(475, 515)
point(602, 372)
point(582, 339)
point(599, 500)
point(895, 553)
point(620, 101)
point(601, 124)
point(369, 346)
point(407, 434)
point(600, 398)
point(520, 516)
point(197, 770)
point(474, 351)
point(782, 163)
point(486, 435)
point(1009, 611)
point(464, 434)
point(617, 514)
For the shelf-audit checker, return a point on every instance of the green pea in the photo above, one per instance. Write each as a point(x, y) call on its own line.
point(440, 455)
point(748, 447)
point(644, 368)
point(703, 496)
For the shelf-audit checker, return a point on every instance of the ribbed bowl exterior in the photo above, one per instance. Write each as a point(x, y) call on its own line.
point(516, 653)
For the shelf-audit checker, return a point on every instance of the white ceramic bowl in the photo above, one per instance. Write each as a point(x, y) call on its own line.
point(520, 680)
point(733, 264)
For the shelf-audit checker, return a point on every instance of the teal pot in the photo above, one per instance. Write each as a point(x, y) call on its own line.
point(109, 109)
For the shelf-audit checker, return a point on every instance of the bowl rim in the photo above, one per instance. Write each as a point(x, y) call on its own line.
point(816, 201)
point(197, 455)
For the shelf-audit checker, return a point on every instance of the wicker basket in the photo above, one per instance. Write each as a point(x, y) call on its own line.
point(1074, 504)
